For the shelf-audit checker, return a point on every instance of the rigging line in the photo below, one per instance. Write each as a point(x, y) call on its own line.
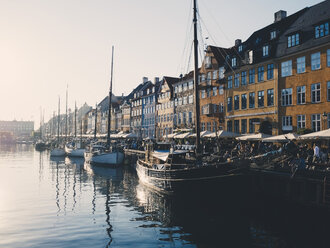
point(188, 32)
point(184, 57)
point(224, 50)
point(189, 58)
point(219, 27)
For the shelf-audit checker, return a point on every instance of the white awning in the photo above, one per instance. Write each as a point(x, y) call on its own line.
point(325, 134)
point(222, 134)
point(282, 138)
point(202, 134)
point(254, 137)
point(182, 136)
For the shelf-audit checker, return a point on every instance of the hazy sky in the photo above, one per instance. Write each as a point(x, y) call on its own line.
point(47, 44)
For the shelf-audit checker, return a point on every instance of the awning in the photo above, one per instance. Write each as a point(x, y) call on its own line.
point(282, 138)
point(202, 134)
point(222, 134)
point(182, 135)
point(325, 134)
point(254, 137)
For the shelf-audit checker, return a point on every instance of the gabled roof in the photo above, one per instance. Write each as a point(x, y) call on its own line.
point(305, 26)
point(170, 81)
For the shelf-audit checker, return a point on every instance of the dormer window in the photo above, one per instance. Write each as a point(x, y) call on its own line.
point(234, 62)
point(147, 91)
point(265, 50)
point(208, 63)
point(293, 40)
point(240, 48)
point(322, 30)
point(272, 35)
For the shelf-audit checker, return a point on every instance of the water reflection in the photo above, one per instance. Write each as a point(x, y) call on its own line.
point(91, 206)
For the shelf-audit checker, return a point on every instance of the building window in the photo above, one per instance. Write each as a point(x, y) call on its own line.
point(233, 62)
point(286, 68)
point(221, 72)
point(191, 99)
point(243, 101)
point(251, 125)
point(322, 30)
point(203, 126)
point(185, 100)
point(328, 90)
point(251, 99)
point(230, 82)
point(191, 85)
point(270, 97)
point(328, 57)
point(265, 51)
point(316, 61)
point(287, 123)
point(221, 108)
point(214, 75)
point(251, 76)
point(236, 126)
point(208, 92)
point(229, 103)
point(214, 126)
point(301, 121)
point(202, 93)
point(301, 65)
point(208, 126)
point(316, 122)
point(260, 74)
point(236, 102)
point(316, 93)
point(272, 35)
point(190, 117)
point(261, 98)
point(243, 77)
point(221, 90)
point(215, 91)
point(293, 40)
point(240, 48)
point(301, 94)
point(208, 78)
point(185, 86)
point(184, 117)
point(243, 126)
point(236, 80)
point(287, 97)
point(270, 71)
point(229, 126)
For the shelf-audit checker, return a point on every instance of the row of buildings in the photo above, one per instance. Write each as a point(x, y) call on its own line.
point(277, 81)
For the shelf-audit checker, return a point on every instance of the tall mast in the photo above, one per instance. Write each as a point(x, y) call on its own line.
point(75, 119)
point(197, 108)
point(40, 123)
point(81, 130)
point(110, 98)
point(58, 120)
point(95, 121)
point(66, 114)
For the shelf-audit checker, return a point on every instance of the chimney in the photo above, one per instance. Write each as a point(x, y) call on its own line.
point(238, 42)
point(145, 79)
point(156, 80)
point(279, 15)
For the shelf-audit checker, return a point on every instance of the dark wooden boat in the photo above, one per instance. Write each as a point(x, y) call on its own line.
point(177, 172)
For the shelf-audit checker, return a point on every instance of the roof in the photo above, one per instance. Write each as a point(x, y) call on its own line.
point(305, 26)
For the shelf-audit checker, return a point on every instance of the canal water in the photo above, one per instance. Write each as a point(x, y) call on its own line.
point(64, 202)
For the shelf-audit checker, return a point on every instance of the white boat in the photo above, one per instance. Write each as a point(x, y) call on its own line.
point(99, 155)
point(74, 151)
point(108, 155)
point(57, 152)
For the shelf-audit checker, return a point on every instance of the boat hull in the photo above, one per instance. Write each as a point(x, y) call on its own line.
point(57, 152)
point(112, 158)
point(183, 180)
point(74, 152)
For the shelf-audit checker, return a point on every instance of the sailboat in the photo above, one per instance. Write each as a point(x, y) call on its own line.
point(58, 151)
point(182, 171)
point(74, 148)
point(105, 155)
